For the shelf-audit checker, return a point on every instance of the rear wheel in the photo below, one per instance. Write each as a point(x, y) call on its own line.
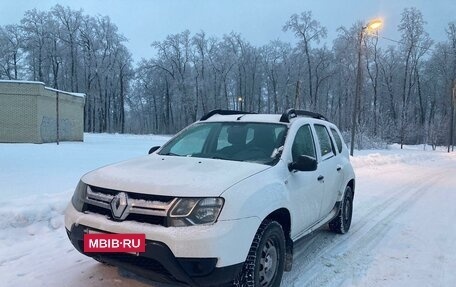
point(265, 262)
point(341, 224)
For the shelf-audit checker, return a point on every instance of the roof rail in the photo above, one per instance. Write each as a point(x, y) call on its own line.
point(223, 113)
point(292, 113)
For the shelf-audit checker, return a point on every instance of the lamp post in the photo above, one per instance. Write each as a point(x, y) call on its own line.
point(240, 103)
point(371, 26)
point(453, 103)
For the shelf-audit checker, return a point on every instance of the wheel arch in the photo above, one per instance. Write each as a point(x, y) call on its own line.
point(283, 217)
point(351, 184)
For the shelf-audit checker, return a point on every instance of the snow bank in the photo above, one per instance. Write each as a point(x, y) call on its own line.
point(410, 155)
point(45, 209)
point(37, 181)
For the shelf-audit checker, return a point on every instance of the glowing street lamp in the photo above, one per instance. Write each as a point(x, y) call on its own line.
point(240, 103)
point(373, 25)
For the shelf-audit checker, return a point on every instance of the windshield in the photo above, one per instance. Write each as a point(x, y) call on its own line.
point(253, 142)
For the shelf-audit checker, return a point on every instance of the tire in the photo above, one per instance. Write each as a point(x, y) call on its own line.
point(265, 262)
point(341, 224)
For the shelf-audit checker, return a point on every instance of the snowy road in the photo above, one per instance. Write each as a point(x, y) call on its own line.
point(402, 232)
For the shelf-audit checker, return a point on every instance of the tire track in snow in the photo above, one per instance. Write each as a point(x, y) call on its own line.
point(365, 214)
point(324, 257)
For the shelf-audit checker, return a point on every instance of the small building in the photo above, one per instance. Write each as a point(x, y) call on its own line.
point(29, 112)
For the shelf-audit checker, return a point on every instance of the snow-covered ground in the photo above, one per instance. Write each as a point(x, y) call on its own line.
point(402, 232)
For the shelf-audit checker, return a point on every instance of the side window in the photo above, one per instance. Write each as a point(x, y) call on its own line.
point(303, 143)
point(337, 138)
point(326, 146)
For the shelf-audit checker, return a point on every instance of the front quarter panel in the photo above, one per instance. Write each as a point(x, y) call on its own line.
point(256, 196)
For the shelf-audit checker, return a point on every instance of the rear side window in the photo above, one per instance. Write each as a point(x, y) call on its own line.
point(338, 139)
point(326, 146)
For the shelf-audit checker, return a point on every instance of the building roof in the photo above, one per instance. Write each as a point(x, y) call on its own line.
point(80, 95)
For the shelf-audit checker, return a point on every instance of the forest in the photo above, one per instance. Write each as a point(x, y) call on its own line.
point(405, 86)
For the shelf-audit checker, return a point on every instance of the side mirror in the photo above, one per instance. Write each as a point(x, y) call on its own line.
point(154, 148)
point(303, 163)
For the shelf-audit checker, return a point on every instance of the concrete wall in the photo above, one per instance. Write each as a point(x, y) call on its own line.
point(71, 116)
point(28, 113)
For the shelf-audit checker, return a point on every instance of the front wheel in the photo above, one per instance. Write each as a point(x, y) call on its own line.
point(341, 224)
point(265, 262)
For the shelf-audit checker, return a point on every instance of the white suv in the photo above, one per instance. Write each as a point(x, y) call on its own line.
point(223, 201)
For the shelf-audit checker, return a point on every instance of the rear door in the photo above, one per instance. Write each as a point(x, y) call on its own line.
point(329, 169)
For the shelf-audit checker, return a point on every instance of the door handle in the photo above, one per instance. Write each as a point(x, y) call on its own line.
point(339, 168)
point(320, 178)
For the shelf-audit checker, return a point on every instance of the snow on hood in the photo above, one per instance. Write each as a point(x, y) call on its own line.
point(173, 175)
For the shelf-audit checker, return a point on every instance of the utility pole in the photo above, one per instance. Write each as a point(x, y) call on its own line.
point(57, 117)
point(453, 101)
point(454, 111)
point(371, 26)
point(357, 92)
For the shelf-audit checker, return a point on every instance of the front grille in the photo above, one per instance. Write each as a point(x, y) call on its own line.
point(145, 208)
point(99, 210)
point(133, 195)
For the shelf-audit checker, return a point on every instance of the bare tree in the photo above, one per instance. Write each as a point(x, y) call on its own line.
point(307, 30)
point(415, 43)
point(11, 53)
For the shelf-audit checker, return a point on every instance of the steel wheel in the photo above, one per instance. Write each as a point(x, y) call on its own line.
point(347, 212)
point(341, 224)
point(268, 263)
point(265, 262)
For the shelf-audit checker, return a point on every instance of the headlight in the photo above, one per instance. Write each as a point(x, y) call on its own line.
point(195, 211)
point(79, 196)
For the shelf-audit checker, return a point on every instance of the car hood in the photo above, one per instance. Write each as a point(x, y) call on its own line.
point(173, 175)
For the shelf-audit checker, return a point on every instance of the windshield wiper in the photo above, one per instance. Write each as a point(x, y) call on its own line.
point(172, 154)
point(225, 158)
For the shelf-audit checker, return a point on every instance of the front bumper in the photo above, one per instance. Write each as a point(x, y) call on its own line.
point(195, 255)
point(159, 263)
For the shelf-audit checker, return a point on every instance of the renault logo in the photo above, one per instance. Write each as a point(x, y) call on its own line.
point(119, 206)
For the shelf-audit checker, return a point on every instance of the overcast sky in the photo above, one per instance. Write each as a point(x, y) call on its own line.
point(259, 21)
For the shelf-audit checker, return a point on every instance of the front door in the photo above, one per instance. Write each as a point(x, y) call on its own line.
point(306, 191)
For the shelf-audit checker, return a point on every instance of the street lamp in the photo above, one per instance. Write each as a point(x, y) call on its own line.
point(453, 103)
point(373, 25)
point(240, 103)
